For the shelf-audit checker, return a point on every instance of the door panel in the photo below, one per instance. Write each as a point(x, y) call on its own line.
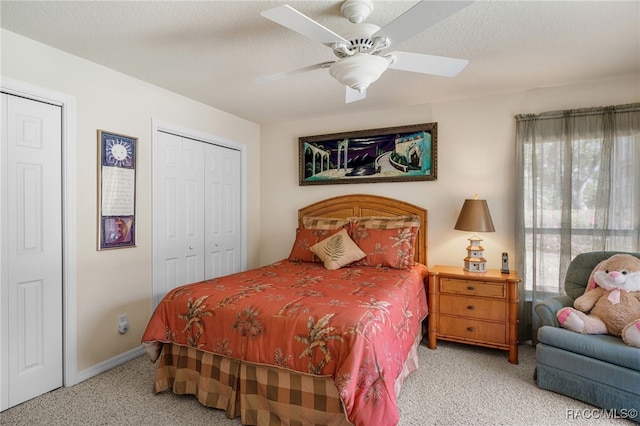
point(222, 180)
point(31, 257)
point(178, 206)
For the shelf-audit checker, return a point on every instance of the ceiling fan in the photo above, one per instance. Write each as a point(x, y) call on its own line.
point(361, 50)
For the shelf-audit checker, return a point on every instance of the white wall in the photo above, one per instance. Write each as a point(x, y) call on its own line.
point(476, 154)
point(119, 281)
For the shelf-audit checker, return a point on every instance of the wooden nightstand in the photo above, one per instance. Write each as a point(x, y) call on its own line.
point(477, 308)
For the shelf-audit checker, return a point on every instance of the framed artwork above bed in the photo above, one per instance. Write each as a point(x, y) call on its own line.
point(392, 154)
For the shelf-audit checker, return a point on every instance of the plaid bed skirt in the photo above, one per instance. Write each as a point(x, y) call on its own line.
point(258, 394)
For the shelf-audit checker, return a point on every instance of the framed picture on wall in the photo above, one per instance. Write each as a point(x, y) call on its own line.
point(393, 154)
point(116, 190)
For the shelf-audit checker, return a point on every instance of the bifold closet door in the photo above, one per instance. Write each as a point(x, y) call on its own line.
point(31, 249)
point(196, 211)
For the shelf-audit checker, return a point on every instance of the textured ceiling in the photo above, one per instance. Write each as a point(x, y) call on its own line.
point(212, 51)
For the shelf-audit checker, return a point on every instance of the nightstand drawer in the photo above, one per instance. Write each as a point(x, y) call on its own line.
point(473, 288)
point(473, 329)
point(473, 307)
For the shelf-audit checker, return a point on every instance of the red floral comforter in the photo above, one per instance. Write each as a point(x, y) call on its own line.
point(354, 324)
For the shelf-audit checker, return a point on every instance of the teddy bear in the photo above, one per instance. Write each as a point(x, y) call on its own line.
point(610, 303)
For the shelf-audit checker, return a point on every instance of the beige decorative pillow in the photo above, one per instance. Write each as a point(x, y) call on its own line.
point(388, 222)
point(338, 250)
point(311, 222)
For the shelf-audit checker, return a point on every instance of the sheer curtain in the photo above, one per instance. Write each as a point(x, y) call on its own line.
point(578, 186)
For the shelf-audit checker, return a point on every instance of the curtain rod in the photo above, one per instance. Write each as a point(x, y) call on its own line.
point(579, 112)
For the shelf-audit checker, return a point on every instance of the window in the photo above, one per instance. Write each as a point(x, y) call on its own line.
point(579, 190)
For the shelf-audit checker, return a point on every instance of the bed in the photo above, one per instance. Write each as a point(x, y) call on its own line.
point(303, 340)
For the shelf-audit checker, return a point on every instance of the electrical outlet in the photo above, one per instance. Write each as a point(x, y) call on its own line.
point(123, 324)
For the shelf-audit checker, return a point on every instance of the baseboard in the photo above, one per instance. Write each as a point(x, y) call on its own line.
point(109, 364)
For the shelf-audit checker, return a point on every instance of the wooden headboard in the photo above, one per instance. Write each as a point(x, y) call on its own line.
point(370, 205)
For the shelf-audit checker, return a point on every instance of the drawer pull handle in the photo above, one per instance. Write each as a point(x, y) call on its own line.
point(472, 288)
point(471, 329)
point(471, 308)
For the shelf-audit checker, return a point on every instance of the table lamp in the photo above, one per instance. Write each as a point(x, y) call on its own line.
point(475, 217)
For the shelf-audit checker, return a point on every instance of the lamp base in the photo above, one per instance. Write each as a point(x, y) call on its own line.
point(475, 264)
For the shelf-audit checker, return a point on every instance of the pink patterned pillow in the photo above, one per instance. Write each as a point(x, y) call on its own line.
point(307, 238)
point(394, 248)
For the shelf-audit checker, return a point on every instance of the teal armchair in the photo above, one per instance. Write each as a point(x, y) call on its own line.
point(598, 369)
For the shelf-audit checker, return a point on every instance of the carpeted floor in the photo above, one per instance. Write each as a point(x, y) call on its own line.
point(455, 385)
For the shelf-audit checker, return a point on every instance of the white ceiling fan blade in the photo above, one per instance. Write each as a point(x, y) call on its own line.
point(274, 77)
point(417, 19)
point(288, 17)
point(427, 64)
point(353, 95)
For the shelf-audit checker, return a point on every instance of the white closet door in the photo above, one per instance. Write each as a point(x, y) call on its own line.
point(178, 212)
point(31, 234)
point(222, 211)
point(196, 211)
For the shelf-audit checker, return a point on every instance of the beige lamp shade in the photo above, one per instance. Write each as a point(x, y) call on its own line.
point(475, 217)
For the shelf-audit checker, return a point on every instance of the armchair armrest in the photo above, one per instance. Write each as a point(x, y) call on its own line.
point(547, 309)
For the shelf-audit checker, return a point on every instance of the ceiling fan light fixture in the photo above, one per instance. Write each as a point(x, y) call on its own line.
point(356, 11)
point(359, 71)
